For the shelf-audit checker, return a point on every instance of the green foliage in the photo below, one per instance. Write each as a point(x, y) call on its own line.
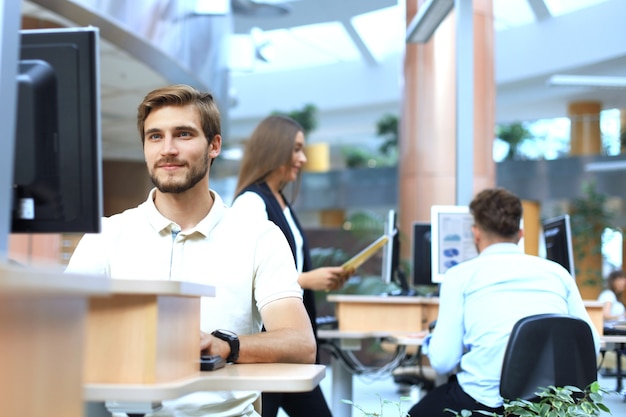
point(553, 401)
point(367, 285)
point(327, 257)
point(513, 134)
point(358, 157)
point(396, 404)
point(387, 128)
point(589, 217)
point(307, 117)
point(365, 225)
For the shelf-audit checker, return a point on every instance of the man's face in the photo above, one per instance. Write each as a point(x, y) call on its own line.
point(176, 151)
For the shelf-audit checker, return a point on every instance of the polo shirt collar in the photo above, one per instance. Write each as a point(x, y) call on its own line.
point(161, 223)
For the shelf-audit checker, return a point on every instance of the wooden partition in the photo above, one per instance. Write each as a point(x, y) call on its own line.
point(595, 310)
point(42, 329)
point(147, 332)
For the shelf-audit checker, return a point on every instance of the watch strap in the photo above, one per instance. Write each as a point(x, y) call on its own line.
point(232, 340)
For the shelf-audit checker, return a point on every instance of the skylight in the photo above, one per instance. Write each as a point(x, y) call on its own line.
point(306, 46)
point(382, 32)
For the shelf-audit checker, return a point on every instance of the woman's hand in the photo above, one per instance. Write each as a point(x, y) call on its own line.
point(326, 278)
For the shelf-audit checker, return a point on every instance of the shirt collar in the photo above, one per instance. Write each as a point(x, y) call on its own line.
point(503, 247)
point(161, 223)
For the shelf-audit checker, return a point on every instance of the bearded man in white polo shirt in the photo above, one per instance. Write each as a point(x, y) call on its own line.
point(184, 231)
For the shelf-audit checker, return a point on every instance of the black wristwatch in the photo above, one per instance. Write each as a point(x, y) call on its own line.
point(233, 342)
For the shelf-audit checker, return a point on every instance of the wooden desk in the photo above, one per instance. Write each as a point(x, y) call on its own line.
point(143, 347)
point(267, 377)
point(363, 313)
point(364, 316)
point(42, 329)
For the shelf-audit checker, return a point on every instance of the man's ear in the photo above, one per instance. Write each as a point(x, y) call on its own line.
point(215, 146)
point(476, 232)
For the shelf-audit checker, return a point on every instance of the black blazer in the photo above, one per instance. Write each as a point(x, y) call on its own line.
point(275, 214)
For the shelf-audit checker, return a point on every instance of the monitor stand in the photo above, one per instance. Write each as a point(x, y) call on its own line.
point(404, 290)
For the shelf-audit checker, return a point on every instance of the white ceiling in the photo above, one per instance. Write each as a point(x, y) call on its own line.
point(354, 85)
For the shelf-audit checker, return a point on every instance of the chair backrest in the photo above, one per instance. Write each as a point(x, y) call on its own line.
point(544, 350)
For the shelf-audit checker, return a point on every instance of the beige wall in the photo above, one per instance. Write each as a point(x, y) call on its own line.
point(125, 184)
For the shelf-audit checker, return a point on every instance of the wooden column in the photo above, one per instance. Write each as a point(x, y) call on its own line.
point(585, 127)
point(586, 140)
point(532, 226)
point(427, 162)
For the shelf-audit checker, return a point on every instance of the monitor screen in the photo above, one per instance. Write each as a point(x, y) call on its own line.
point(422, 270)
point(57, 186)
point(452, 241)
point(557, 236)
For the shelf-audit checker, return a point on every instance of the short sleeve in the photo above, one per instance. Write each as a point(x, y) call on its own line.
point(251, 205)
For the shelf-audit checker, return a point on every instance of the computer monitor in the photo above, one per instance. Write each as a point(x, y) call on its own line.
point(557, 236)
point(57, 181)
point(422, 269)
point(391, 256)
point(392, 271)
point(452, 241)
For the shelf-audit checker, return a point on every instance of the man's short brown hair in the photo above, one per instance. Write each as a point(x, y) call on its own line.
point(497, 211)
point(181, 95)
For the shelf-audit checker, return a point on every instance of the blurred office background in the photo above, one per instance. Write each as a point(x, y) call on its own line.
point(547, 113)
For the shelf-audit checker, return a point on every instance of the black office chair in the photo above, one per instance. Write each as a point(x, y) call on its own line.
point(544, 350)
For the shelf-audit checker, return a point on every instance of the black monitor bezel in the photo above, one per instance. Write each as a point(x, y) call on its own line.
point(78, 103)
point(563, 226)
point(421, 254)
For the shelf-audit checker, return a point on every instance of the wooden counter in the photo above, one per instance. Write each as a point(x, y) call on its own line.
point(267, 377)
point(362, 313)
point(42, 329)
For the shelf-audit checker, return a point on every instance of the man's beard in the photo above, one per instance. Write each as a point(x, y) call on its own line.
point(194, 175)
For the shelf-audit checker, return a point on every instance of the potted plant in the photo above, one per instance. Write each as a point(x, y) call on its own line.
point(554, 401)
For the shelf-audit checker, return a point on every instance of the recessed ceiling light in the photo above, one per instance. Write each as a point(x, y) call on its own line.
point(597, 81)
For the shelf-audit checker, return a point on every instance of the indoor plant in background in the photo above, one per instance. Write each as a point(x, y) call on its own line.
point(589, 218)
point(553, 401)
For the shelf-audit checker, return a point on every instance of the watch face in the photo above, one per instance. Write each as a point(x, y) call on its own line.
point(226, 333)
point(233, 342)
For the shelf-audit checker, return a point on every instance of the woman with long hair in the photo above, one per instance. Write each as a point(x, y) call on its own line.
point(273, 158)
point(612, 296)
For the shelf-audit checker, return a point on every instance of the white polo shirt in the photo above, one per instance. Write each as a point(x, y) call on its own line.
point(248, 261)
